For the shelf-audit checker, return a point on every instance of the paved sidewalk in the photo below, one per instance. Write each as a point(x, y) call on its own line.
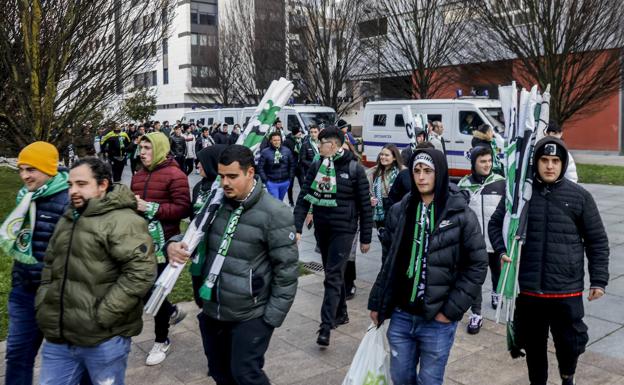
point(590, 157)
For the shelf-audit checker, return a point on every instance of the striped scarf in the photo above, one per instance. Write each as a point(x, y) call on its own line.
point(323, 189)
point(381, 186)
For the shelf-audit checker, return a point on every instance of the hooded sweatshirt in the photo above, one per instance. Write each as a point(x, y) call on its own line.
point(563, 227)
point(456, 260)
point(165, 184)
point(209, 160)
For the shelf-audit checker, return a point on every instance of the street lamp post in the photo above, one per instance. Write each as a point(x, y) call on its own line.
point(370, 12)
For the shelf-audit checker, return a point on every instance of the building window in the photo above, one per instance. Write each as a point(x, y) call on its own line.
point(165, 75)
point(203, 18)
point(154, 78)
point(165, 46)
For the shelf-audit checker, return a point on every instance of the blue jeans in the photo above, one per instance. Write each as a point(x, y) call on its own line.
point(106, 363)
point(414, 340)
point(278, 189)
point(24, 337)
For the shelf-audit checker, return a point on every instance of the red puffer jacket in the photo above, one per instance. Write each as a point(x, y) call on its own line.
point(168, 186)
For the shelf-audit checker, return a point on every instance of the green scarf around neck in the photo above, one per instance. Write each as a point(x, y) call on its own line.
point(422, 230)
point(323, 189)
point(16, 230)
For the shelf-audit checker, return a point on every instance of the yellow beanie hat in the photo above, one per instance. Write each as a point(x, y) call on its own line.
point(41, 155)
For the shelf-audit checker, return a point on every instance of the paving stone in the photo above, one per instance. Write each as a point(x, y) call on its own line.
point(295, 367)
point(613, 346)
point(599, 329)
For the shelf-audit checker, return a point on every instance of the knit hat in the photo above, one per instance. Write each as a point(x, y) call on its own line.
point(41, 155)
point(424, 158)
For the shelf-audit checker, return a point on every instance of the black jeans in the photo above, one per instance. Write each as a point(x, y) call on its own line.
point(335, 249)
point(188, 165)
point(495, 271)
point(299, 176)
point(236, 351)
point(564, 317)
point(180, 160)
point(117, 167)
point(161, 319)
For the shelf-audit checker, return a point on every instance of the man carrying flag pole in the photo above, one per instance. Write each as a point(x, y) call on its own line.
point(542, 231)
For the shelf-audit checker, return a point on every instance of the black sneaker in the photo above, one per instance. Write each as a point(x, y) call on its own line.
point(495, 300)
point(568, 381)
point(351, 293)
point(474, 323)
point(342, 319)
point(323, 336)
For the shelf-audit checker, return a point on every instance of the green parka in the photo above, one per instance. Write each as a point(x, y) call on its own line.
point(98, 266)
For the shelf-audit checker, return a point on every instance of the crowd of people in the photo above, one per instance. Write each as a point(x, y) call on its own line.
point(87, 249)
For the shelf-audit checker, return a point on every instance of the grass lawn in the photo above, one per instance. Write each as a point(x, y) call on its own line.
point(610, 175)
point(9, 184)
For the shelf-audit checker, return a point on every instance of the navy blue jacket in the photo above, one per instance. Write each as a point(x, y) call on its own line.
point(276, 172)
point(49, 211)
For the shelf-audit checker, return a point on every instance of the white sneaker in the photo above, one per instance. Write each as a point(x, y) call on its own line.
point(158, 353)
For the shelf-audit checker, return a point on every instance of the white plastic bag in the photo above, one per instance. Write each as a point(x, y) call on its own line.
point(371, 363)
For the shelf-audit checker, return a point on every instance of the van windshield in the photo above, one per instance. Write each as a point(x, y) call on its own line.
point(496, 118)
point(318, 118)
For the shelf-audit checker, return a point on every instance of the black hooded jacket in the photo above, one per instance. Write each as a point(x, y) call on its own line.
point(563, 224)
point(456, 258)
point(352, 197)
point(209, 160)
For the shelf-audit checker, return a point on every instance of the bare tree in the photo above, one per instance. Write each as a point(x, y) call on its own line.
point(330, 53)
point(573, 45)
point(424, 39)
point(63, 61)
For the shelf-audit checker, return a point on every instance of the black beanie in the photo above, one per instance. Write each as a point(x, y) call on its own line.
point(295, 130)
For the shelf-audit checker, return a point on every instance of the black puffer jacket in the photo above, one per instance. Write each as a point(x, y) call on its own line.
point(456, 258)
point(178, 145)
point(221, 137)
point(352, 197)
point(401, 186)
point(306, 155)
point(563, 225)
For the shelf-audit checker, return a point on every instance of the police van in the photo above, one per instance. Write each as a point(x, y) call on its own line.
point(300, 116)
point(384, 123)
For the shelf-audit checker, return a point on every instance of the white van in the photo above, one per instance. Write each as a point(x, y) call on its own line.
point(383, 123)
point(301, 116)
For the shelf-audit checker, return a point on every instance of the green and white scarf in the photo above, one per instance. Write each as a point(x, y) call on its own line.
point(381, 186)
point(226, 239)
point(204, 198)
point(206, 290)
point(156, 231)
point(323, 189)
point(466, 184)
point(497, 164)
point(277, 156)
point(315, 148)
point(298, 144)
point(16, 230)
point(422, 229)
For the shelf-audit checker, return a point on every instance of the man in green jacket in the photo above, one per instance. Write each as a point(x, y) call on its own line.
point(98, 266)
point(250, 272)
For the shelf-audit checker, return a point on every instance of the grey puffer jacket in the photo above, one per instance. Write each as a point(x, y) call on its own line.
point(259, 275)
